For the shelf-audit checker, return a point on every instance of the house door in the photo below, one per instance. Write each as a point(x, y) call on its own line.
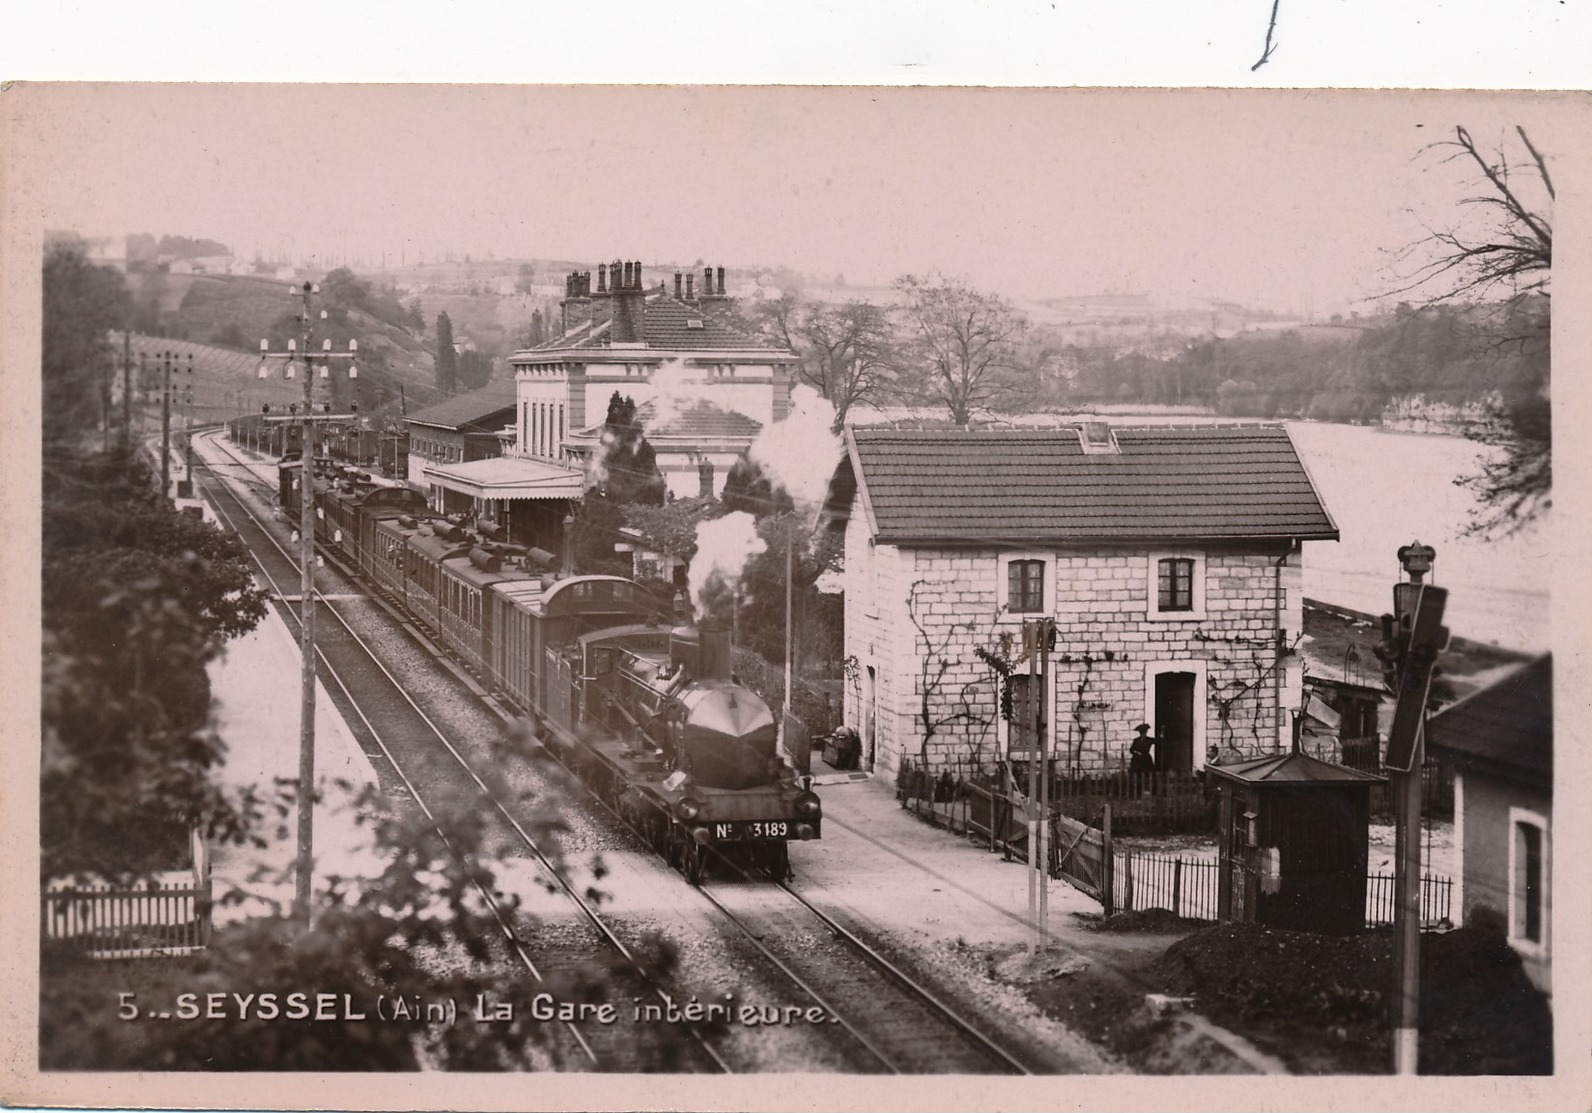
point(1174, 721)
point(870, 717)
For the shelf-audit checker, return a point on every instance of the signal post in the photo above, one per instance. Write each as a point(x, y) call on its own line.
point(1412, 638)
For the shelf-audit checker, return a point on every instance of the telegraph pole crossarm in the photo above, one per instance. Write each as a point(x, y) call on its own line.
point(303, 872)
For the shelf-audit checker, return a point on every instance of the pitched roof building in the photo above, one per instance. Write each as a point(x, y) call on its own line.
point(725, 382)
point(1169, 557)
point(1500, 743)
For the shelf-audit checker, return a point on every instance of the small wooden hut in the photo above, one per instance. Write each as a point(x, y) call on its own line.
point(1293, 836)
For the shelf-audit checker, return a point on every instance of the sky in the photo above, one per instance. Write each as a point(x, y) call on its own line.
point(1292, 201)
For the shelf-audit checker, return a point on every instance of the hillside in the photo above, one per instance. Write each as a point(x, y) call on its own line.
point(221, 319)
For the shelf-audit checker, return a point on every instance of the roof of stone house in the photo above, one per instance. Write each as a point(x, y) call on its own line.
point(470, 408)
point(666, 326)
point(1508, 725)
point(699, 419)
point(1163, 483)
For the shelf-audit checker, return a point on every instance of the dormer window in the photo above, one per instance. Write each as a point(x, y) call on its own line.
point(1097, 439)
point(693, 323)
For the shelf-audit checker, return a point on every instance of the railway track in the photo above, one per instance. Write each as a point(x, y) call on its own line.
point(886, 1020)
point(392, 726)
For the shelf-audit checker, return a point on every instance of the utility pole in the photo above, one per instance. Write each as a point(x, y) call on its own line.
point(305, 420)
point(165, 424)
point(1037, 637)
point(127, 387)
point(1412, 638)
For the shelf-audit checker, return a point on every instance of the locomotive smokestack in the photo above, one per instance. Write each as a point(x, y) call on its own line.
point(715, 652)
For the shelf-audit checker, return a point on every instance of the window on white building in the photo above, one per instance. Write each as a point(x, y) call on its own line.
point(1176, 585)
point(1528, 880)
point(1025, 583)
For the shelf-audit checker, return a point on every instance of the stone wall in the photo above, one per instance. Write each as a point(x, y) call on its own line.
point(908, 607)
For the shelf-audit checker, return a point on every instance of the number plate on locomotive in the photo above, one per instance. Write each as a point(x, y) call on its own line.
point(739, 829)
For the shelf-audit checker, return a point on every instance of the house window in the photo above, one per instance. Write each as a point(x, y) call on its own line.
point(1025, 585)
point(1174, 584)
point(1528, 880)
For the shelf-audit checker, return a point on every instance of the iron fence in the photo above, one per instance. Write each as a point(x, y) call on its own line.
point(1436, 894)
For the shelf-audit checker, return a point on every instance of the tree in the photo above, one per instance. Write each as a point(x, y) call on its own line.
point(847, 351)
point(447, 358)
point(415, 317)
point(137, 599)
point(82, 302)
point(624, 473)
point(525, 282)
point(1505, 254)
point(962, 342)
point(475, 369)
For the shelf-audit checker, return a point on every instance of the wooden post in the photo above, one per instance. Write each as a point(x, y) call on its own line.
point(1177, 885)
point(1108, 863)
point(1127, 882)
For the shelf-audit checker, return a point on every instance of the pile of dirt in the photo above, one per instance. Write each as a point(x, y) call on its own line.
point(1322, 1002)
point(1161, 920)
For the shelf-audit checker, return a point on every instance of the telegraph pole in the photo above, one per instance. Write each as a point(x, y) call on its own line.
point(1413, 636)
point(304, 869)
point(165, 424)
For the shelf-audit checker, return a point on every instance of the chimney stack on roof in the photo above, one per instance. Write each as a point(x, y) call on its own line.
point(707, 282)
point(602, 278)
point(576, 306)
point(629, 303)
point(720, 290)
point(676, 285)
point(690, 292)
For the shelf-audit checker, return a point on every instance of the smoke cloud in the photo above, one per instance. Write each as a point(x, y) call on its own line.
point(801, 452)
point(724, 545)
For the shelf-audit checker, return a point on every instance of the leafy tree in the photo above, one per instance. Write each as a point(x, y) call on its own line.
point(414, 317)
point(415, 924)
point(962, 342)
point(137, 599)
point(1504, 256)
point(82, 302)
point(624, 475)
point(343, 289)
point(447, 358)
point(629, 464)
point(749, 488)
point(475, 369)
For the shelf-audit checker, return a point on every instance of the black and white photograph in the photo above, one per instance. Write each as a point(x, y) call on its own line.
point(686, 595)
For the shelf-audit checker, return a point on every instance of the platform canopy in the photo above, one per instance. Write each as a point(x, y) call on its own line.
point(509, 477)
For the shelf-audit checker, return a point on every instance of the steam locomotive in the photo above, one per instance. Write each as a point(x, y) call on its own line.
point(646, 710)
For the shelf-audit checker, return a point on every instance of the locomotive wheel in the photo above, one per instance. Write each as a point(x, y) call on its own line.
point(695, 858)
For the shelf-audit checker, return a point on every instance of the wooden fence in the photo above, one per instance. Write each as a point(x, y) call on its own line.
point(126, 923)
point(1141, 803)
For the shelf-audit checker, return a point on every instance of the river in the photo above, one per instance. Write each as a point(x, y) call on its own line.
point(1387, 489)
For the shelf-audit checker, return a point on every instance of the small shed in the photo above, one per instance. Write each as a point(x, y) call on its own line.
point(1293, 837)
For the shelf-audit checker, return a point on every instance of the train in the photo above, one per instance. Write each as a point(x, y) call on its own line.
point(642, 703)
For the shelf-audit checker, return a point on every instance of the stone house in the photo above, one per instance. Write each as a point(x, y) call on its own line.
point(1169, 557)
point(1500, 743)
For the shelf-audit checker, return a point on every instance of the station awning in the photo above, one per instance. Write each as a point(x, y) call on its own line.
point(509, 477)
